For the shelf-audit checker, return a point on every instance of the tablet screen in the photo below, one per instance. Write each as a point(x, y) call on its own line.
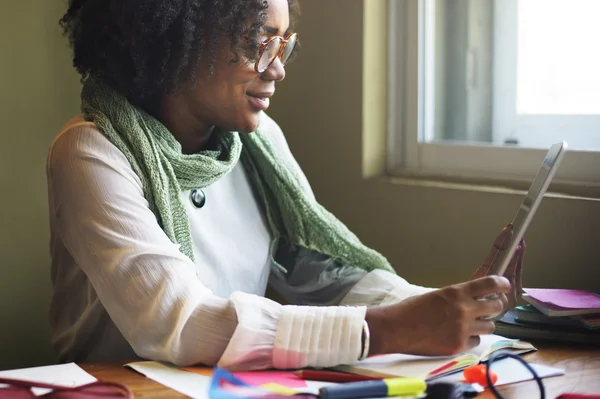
point(530, 204)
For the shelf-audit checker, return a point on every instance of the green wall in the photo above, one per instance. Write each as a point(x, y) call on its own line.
point(39, 91)
point(434, 234)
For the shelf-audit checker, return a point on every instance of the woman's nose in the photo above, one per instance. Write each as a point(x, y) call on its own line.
point(275, 71)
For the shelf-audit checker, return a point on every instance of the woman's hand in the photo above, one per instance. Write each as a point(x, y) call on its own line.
point(442, 322)
point(514, 271)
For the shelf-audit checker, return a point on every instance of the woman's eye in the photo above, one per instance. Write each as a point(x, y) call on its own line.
point(249, 49)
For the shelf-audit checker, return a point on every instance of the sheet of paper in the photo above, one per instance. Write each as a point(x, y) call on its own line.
point(66, 375)
point(191, 384)
point(565, 298)
point(510, 371)
point(401, 365)
point(313, 386)
point(195, 381)
point(258, 378)
point(205, 371)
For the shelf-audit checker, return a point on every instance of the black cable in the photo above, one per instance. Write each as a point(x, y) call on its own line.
point(502, 355)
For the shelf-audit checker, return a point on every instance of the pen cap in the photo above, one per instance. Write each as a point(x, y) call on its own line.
point(450, 390)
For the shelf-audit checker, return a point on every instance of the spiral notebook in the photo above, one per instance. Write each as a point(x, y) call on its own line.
point(428, 367)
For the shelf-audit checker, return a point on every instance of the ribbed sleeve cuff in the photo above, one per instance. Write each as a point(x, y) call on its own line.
point(251, 346)
point(318, 336)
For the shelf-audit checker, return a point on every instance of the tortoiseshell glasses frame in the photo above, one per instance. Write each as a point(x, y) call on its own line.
point(275, 46)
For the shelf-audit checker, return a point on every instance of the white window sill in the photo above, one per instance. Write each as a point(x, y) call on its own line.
point(501, 187)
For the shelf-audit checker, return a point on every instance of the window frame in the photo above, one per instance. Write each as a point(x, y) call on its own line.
point(407, 155)
point(507, 120)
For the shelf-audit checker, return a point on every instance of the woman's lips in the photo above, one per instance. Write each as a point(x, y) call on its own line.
point(259, 101)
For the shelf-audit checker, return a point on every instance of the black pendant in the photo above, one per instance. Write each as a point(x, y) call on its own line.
point(198, 198)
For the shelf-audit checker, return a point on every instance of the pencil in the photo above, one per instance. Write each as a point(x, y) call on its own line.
point(332, 376)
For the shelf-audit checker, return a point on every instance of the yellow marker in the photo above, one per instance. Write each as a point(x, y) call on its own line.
point(375, 389)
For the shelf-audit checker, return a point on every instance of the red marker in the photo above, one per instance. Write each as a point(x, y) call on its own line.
point(443, 368)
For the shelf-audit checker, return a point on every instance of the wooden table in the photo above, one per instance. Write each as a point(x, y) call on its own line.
point(581, 364)
point(582, 372)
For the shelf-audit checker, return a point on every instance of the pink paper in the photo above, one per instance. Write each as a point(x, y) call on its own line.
point(567, 299)
point(258, 378)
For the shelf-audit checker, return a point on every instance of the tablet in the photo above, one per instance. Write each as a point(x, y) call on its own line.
point(530, 205)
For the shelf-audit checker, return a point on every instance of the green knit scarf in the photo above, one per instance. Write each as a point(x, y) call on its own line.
point(156, 158)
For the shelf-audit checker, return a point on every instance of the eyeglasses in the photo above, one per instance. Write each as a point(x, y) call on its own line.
point(276, 46)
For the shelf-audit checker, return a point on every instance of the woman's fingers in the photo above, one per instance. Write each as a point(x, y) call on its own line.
point(513, 265)
point(499, 245)
point(482, 327)
point(472, 342)
point(505, 301)
point(519, 271)
point(514, 273)
point(490, 307)
point(487, 285)
point(511, 273)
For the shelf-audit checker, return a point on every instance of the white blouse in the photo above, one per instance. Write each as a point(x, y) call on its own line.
point(122, 289)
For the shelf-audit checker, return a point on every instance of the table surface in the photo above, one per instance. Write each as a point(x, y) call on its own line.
point(581, 364)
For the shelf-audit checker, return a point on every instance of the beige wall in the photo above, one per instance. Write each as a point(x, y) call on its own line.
point(432, 235)
point(38, 92)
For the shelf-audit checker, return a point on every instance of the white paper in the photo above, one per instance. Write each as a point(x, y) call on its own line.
point(197, 386)
point(191, 384)
point(313, 387)
point(66, 375)
point(396, 364)
point(510, 371)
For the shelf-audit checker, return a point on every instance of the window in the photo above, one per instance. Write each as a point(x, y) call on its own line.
point(482, 88)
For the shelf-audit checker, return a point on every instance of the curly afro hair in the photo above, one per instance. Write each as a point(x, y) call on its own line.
point(147, 48)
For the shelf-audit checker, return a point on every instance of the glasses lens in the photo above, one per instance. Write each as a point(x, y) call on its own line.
point(269, 54)
point(289, 48)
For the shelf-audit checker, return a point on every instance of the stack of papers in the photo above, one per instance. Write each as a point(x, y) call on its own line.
point(509, 325)
point(558, 315)
point(563, 302)
point(530, 314)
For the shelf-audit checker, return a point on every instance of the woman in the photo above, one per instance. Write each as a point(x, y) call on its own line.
point(175, 200)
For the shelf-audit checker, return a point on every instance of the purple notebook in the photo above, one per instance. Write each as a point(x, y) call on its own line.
point(564, 298)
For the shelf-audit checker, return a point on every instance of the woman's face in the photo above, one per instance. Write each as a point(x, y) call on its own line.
point(235, 94)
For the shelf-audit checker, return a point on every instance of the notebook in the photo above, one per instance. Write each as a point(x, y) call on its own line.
point(563, 302)
point(510, 326)
point(428, 367)
point(530, 314)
